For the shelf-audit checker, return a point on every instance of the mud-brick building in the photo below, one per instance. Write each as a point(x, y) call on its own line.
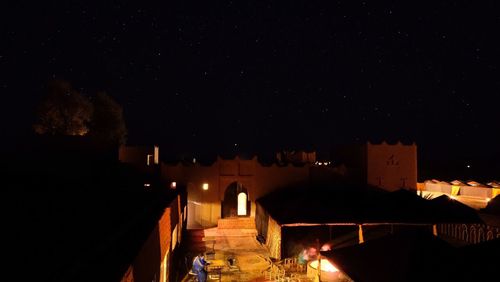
point(75, 213)
point(388, 166)
point(155, 255)
point(228, 188)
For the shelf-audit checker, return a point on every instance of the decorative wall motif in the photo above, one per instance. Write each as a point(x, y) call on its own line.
point(469, 233)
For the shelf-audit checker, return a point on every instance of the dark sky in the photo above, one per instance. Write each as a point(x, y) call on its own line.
point(266, 74)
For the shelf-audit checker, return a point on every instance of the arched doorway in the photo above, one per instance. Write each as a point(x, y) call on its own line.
point(235, 201)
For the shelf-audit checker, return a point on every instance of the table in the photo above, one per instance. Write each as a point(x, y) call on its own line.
point(214, 269)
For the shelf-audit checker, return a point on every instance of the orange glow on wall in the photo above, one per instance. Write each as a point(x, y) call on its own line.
point(157, 155)
point(360, 234)
point(495, 192)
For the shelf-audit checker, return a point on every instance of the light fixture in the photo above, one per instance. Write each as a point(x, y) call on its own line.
point(156, 157)
point(205, 186)
point(147, 184)
point(173, 185)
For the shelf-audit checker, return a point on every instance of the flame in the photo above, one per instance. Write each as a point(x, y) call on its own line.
point(326, 265)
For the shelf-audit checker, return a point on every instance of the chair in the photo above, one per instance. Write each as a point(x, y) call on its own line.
point(193, 276)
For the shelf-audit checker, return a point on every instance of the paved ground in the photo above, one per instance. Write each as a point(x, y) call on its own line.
point(252, 258)
point(240, 244)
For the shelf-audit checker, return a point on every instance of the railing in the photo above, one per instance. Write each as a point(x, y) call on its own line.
point(286, 270)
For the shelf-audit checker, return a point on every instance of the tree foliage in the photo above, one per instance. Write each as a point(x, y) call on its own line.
point(108, 126)
point(64, 111)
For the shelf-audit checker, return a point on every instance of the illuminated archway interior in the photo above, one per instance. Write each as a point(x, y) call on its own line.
point(242, 203)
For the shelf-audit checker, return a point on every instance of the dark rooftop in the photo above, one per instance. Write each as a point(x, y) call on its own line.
point(348, 203)
point(416, 257)
point(398, 257)
point(72, 215)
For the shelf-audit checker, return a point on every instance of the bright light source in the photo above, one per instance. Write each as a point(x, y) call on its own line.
point(147, 184)
point(326, 247)
point(452, 197)
point(326, 265)
point(173, 185)
point(488, 199)
point(205, 186)
point(468, 166)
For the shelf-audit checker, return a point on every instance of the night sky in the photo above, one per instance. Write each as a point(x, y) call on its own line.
point(262, 75)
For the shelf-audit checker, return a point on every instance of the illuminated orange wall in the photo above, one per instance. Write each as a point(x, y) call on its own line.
point(273, 239)
point(129, 275)
point(388, 166)
point(205, 206)
point(147, 264)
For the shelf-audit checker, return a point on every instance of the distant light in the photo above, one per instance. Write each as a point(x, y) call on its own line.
point(468, 166)
point(205, 186)
point(147, 184)
point(235, 144)
point(488, 199)
point(194, 160)
point(173, 185)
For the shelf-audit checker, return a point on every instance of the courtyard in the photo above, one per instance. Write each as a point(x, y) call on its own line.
point(251, 261)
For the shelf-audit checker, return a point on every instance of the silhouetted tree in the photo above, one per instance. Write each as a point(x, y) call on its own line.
point(64, 111)
point(108, 126)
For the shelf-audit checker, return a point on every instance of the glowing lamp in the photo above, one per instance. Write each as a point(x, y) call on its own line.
point(205, 186)
point(147, 184)
point(328, 271)
point(173, 185)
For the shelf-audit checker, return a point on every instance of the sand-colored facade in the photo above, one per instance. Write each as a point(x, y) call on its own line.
point(229, 187)
point(248, 176)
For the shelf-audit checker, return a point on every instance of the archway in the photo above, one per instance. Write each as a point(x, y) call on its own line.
point(235, 201)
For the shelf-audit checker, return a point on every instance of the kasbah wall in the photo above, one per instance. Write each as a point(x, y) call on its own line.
point(385, 165)
point(391, 166)
point(205, 205)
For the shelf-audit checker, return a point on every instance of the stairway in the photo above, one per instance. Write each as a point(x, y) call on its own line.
point(236, 223)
